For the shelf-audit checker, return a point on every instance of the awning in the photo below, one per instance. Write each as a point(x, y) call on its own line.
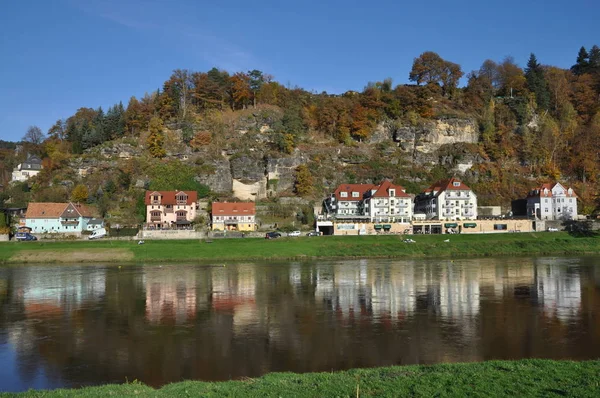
point(451, 225)
point(387, 226)
point(469, 225)
point(378, 226)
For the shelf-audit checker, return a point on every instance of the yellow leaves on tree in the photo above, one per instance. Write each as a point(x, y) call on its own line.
point(362, 122)
point(156, 138)
point(79, 194)
point(304, 181)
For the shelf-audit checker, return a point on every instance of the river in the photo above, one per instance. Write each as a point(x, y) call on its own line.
point(73, 326)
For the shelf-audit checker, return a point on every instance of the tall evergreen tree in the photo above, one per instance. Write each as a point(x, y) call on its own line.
point(534, 74)
point(582, 64)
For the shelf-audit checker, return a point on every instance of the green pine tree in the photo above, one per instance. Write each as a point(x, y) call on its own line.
point(534, 74)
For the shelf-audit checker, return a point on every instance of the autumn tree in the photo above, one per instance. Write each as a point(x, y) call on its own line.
point(58, 129)
point(202, 138)
point(304, 181)
point(510, 79)
point(156, 138)
point(430, 68)
point(240, 91)
point(33, 135)
point(79, 194)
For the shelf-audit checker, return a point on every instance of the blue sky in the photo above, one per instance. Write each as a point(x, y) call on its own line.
point(60, 55)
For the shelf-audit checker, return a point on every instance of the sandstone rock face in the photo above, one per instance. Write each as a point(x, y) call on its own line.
point(281, 172)
point(250, 191)
point(248, 168)
point(429, 135)
point(220, 179)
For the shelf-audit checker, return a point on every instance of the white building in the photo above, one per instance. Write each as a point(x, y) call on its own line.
point(375, 203)
point(448, 199)
point(552, 202)
point(387, 202)
point(29, 168)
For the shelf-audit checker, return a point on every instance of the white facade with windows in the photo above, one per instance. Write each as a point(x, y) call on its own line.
point(376, 203)
point(447, 200)
point(552, 202)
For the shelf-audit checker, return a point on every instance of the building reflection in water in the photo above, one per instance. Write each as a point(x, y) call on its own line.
point(163, 324)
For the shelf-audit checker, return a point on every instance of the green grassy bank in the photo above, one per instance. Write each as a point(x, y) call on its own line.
point(553, 243)
point(525, 378)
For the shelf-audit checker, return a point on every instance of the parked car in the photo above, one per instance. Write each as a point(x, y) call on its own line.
point(97, 234)
point(272, 235)
point(551, 229)
point(313, 233)
point(24, 236)
point(294, 233)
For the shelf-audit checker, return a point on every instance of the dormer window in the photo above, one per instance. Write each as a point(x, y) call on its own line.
point(392, 192)
point(355, 195)
point(181, 198)
point(344, 194)
point(456, 183)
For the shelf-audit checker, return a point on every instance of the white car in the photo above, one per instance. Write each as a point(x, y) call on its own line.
point(294, 233)
point(552, 229)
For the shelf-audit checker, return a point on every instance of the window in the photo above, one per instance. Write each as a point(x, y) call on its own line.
point(355, 195)
point(344, 194)
point(392, 192)
point(546, 210)
point(500, 227)
point(456, 183)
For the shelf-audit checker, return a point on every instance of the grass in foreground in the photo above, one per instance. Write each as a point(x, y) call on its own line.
point(525, 378)
point(304, 247)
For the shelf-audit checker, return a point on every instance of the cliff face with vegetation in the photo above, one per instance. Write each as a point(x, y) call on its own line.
point(246, 136)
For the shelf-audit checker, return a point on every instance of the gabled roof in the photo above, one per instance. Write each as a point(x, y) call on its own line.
point(169, 197)
point(349, 188)
point(383, 190)
point(55, 210)
point(233, 208)
point(539, 191)
point(447, 185)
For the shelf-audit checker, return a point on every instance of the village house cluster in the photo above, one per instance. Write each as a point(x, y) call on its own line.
point(447, 206)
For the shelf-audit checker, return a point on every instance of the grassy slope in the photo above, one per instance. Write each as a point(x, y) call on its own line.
point(330, 246)
point(495, 378)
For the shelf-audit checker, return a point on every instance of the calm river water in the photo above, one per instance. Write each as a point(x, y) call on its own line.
point(70, 326)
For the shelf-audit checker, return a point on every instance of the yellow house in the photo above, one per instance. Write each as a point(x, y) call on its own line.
point(236, 216)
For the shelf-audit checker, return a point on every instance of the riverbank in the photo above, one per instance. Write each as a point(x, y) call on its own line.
point(390, 246)
point(524, 378)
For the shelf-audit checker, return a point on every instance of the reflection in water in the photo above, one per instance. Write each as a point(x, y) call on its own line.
point(73, 326)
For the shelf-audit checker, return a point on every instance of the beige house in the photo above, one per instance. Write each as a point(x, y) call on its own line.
point(234, 216)
point(170, 209)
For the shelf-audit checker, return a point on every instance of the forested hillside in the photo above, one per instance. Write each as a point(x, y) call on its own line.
point(245, 135)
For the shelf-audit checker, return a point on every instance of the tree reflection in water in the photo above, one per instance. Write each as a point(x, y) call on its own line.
point(74, 326)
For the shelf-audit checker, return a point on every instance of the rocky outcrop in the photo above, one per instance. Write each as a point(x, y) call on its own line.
point(219, 178)
point(427, 136)
point(248, 167)
point(281, 172)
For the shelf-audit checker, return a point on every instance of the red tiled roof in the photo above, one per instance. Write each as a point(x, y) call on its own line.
point(349, 188)
point(233, 208)
point(54, 210)
point(549, 187)
point(384, 190)
point(447, 185)
point(168, 197)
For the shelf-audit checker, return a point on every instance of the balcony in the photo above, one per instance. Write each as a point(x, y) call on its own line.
point(155, 219)
point(155, 202)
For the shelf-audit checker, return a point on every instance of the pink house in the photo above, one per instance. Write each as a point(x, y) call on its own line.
point(171, 209)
